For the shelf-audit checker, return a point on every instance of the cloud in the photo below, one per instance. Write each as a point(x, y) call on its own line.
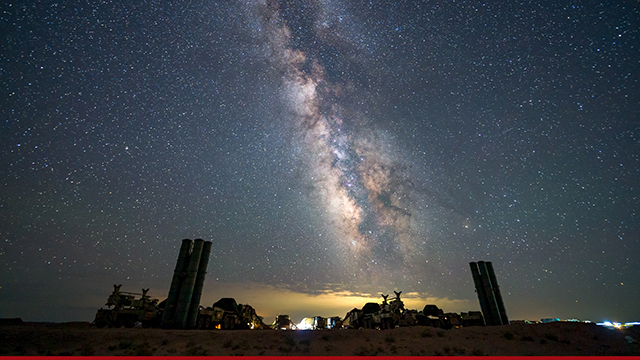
point(271, 301)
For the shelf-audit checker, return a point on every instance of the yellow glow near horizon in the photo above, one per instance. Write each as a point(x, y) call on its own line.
point(270, 301)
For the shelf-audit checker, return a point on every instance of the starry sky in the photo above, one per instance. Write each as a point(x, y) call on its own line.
point(331, 151)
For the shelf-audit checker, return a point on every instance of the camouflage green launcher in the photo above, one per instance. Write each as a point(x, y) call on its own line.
point(183, 301)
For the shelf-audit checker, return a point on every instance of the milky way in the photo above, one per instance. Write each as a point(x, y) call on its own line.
point(359, 180)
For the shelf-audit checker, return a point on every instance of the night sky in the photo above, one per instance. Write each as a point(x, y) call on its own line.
point(331, 151)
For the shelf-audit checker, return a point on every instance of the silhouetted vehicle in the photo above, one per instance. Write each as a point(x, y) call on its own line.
point(282, 322)
point(392, 314)
point(128, 311)
point(226, 314)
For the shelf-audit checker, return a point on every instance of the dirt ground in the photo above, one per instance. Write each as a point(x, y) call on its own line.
point(552, 339)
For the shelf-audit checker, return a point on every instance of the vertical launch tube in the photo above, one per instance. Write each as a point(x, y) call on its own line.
point(489, 295)
point(475, 272)
point(174, 291)
point(192, 317)
point(488, 290)
point(498, 296)
point(186, 291)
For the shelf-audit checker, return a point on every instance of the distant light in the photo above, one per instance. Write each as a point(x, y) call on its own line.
point(305, 324)
point(617, 325)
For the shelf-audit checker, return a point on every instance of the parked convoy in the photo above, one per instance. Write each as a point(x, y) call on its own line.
point(389, 315)
point(124, 309)
point(128, 311)
point(182, 309)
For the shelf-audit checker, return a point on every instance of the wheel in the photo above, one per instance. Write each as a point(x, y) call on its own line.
point(100, 324)
point(226, 323)
point(118, 322)
point(204, 322)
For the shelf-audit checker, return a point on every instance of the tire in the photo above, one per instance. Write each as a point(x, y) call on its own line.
point(118, 322)
point(204, 322)
point(226, 323)
point(100, 324)
point(129, 323)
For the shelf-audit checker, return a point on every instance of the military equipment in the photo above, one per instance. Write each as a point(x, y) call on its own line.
point(489, 294)
point(226, 314)
point(315, 323)
point(282, 322)
point(353, 319)
point(183, 301)
point(436, 317)
point(472, 318)
point(371, 316)
point(334, 322)
point(392, 314)
point(128, 311)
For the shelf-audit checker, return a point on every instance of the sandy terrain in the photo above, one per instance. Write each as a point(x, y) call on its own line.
point(540, 339)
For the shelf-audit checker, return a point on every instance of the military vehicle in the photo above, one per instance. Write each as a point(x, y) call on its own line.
point(371, 316)
point(320, 323)
point(436, 317)
point(226, 314)
point(282, 322)
point(387, 315)
point(334, 322)
point(128, 311)
point(397, 315)
point(432, 316)
point(472, 318)
point(392, 314)
point(314, 323)
point(353, 319)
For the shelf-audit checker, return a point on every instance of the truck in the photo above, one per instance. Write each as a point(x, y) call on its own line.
point(334, 322)
point(283, 322)
point(128, 311)
point(227, 314)
point(371, 316)
point(353, 319)
point(314, 323)
point(436, 317)
point(472, 318)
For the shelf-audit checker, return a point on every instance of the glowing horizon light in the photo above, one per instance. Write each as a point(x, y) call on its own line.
point(305, 324)
point(617, 325)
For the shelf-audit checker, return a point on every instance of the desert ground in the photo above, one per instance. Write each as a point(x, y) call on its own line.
point(19, 338)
